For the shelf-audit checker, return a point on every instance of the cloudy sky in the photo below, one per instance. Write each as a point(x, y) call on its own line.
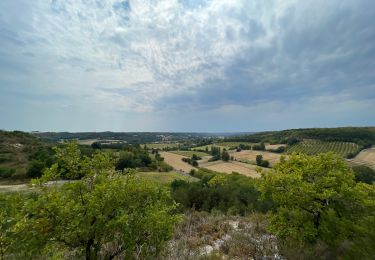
point(187, 65)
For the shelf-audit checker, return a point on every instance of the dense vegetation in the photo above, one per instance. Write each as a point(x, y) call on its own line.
point(320, 206)
point(230, 194)
point(363, 136)
point(22, 155)
point(104, 215)
point(311, 206)
point(128, 137)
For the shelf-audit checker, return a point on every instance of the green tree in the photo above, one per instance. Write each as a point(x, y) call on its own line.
point(364, 174)
point(318, 200)
point(225, 156)
point(101, 216)
point(259, 159)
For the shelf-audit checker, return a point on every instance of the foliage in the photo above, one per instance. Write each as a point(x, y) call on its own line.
point(279, 149)
point(363, 136)
point(364, 174)
point(103, 215)
point(133, 157)
point(318, 200)
point(259, 147)
point(6, 172)
point(39, 160)
point(260, 162)
point(17, 151)
point(229, 193)
point(225, 156)
point(215, 151)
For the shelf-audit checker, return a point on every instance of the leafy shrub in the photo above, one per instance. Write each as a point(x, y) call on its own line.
point(6, 172)
point(228, 193)
point(259, 147)
point(319, 201)
point(364, 174)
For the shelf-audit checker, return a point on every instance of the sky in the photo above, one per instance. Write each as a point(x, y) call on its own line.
point(187, 66)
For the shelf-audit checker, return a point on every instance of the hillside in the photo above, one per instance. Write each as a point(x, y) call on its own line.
point(312, 147)
point(360, 135)
point(16, 148)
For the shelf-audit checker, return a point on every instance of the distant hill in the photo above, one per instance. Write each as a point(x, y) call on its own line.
point(129, 137)
point(362, 136)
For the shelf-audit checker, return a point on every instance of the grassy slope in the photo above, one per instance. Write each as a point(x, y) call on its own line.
point(15, 149)
point(190, 153)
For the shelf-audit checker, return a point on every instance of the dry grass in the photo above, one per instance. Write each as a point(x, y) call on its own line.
point(274, 146)
point(250, 155)
point(87, 141)
point(160, 145)
point(190, 153)
point(175, 160)
point(233, 166)
point(365, 157)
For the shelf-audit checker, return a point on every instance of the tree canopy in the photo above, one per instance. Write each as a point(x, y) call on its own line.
point(103, 215)
point(318, 200)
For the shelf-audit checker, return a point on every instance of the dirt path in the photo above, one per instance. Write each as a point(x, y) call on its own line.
point(25, 187)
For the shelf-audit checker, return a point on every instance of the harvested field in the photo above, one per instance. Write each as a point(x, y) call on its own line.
point(87, 141)
point(230, 167)
point(365, 157)
point(274, 146)
point(247, 155)
point(161, 145)
point(222, 145)
point(190, 153)
point(175, 160)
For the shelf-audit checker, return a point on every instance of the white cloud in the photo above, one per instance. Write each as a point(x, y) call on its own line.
point(200, 56)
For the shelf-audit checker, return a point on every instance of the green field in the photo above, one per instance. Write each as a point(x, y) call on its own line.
point(161, 145)
point(165, 177)
point(190, 153)
point(226, 145)
point(312, 147)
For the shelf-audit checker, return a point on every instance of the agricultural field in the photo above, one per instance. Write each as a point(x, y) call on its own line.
point(312, 147)
point(102, 141)
point(161, 145)
point(365, 157)
point(165, 177)
point(233, 166)
point(274, 146)
point(249, 156)
point(190, 153)
point(222, 145)
point(175, 160)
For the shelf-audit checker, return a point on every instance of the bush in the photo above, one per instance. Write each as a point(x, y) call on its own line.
point(280, 149)
point(36, 169)
point(228, 193)
point(364, 174)
point(6, 172)
point(319, 201)
point(259, 147)
point(265, 163)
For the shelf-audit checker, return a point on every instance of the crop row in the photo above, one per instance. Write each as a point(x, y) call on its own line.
point(314, 147)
